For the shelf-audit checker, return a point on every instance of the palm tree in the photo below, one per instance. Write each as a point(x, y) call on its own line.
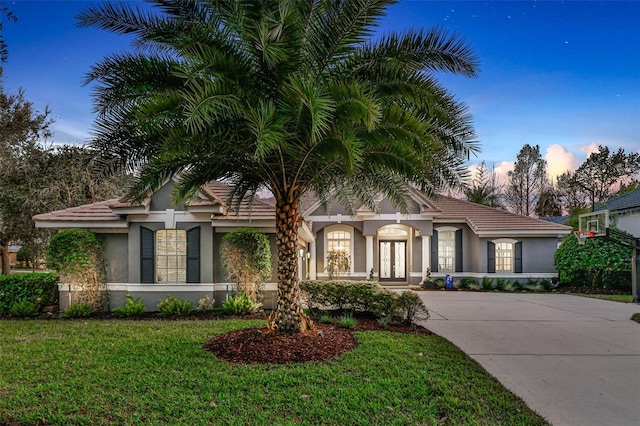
point(289, 95)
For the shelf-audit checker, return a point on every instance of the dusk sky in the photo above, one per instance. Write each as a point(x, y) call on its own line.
point(561, 74)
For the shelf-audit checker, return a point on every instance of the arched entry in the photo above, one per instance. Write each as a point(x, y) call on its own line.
point(393, 247)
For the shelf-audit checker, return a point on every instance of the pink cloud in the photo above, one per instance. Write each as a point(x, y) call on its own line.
point(559, 160)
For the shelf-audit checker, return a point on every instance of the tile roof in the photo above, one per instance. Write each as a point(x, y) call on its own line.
point(488, 219)
point(627, 202)
point(96, 212)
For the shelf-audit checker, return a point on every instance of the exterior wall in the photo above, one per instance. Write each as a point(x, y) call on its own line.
point(537, 256)
point(115, 253)
point(161, 199)
point(630, 222)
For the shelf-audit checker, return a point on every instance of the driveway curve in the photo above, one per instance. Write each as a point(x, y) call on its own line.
point(574, 360)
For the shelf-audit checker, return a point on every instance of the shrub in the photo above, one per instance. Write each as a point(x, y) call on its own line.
point(471, 283)
point(598, 263)
point(240, 305)
point(246, 256)
point(24, 309)
point(76, 254)
point(383, 322)
point(409, 308)
point(132, 308)
point(487, 283)
point(514, 286)
point(439, 282)
point(206, 303)
point(38, 288)
point(347, 321)
point(501, 284)
point(78, 310)
point(326, 319)
point(338, 262)
point(172, 306)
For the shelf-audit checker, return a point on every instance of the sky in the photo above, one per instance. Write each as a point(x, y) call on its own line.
point(564, 75)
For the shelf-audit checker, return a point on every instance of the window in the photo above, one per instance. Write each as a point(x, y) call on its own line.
point(339, 242)
point(446, 251)
point(171, 255)
point(504, 257)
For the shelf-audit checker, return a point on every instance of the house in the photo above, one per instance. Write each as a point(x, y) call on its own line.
point(155, 249)
point(624, 211)
point(13, 255)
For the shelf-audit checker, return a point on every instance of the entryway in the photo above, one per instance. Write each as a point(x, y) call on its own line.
point(393, 265)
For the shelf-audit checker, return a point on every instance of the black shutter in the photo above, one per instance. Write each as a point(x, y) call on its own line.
point(491, 257)
point(193, 255)
point(517, 265)
point(434, 251)
point(147, 261)
point(459, 250)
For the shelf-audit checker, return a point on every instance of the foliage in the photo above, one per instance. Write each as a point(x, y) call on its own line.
point(527, 179)
point(134, 307)
point(206, 303)
point(338, 263)
point(440, 282)
point(79, 310)
point(548, 204)
point(598, 263)
point(77, 256)
point(172, 306)
point(365, 297)
point(347, 321)
point(513, 286)
point(383, 381)
point(246, 256)
point(240, 304)
point(38, 288)
point(484, 189)
point(636, 317)
point(487, 283)
point(501, 283)
point(326, 318)
point(468, 282)
point(10, 16)
point(290, 96)
point(23, 309)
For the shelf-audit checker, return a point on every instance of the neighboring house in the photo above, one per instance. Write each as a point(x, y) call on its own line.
point(155, 249)
point(13, 255)
point(624, 211)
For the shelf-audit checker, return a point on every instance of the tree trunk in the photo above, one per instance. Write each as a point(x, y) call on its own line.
point(288, 315)
point(4, 254)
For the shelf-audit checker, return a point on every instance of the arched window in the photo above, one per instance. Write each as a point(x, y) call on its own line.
point(505, 255)
point(339, 239)
point(171, 255)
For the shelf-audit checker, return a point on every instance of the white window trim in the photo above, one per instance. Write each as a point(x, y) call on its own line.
point(447, 229)
point(513, 253)
point(345, 228)
point(156, 255)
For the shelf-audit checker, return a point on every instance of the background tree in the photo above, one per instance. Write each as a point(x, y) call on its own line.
point(246, 255)
point(527, 179)
point(572, 197)
point(548, 204)
point(21, 127)
point(483, 189)
point(292, 96)
point(604, 169)
point(5, 13)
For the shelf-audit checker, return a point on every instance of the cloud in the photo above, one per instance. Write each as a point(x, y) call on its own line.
point(589, 149)
point(559, 160)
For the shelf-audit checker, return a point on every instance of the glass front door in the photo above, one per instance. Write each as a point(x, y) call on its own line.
point(393, 260)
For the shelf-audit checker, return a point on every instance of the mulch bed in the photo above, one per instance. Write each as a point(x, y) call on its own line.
point(327, 341)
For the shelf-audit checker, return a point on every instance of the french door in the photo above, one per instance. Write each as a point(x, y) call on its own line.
point(393, 265)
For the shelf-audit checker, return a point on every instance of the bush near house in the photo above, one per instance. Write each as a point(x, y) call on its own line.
point(363, 297)
point(598, 263)
point(38, 288)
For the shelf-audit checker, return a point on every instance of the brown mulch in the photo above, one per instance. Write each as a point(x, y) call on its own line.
point(327, 341)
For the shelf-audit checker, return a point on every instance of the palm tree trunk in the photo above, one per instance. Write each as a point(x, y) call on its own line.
point(288, 315)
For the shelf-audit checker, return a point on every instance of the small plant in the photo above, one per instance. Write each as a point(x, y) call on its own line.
point(172, 306)
point(469, 283)
point(78, 310)
point(383, 322)
point(24, 309)
point(487, 283)
point(409, 308)
point(240, 305)
point(439, 282)
point(514, 286)
point(326, 318)
point(347, 321)
point(427, 283)
point(134, 307)
point(501, 283)
point(338, 263)
point(206, 303)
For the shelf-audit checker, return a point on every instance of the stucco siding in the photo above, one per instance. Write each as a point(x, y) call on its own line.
point(115, 253)
point(161, 199)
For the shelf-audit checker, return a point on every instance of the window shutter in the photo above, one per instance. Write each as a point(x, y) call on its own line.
point(193, 255)
point(147, 261)
point(458, 250)
point(517, 265)
point(434, 251)
point(491, 257)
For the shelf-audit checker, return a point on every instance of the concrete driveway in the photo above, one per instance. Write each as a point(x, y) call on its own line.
point(574, 360)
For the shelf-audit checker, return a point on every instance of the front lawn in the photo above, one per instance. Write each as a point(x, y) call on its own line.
point(106, 372)
point(625, 298)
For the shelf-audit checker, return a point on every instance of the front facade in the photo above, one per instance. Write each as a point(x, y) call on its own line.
point(156, 249)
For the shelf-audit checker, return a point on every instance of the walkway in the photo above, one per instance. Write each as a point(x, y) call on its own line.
point(574, 360)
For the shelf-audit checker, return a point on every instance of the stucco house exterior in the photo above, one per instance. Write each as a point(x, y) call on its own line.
point(624, 211)
point(155, 249)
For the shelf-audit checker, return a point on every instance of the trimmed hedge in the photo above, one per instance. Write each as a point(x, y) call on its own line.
point(364, 297)
point(38, 288)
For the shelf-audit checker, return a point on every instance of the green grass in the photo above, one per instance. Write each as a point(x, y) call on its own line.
point(90, 372)
point(625, 298)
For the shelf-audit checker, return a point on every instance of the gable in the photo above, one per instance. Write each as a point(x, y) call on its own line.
point(161, 199)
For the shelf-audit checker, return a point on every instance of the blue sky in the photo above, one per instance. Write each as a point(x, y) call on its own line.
point(561, 74)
